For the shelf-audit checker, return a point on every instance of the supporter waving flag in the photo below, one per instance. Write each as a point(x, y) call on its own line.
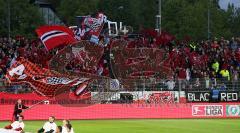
point(44, 81)
point(54, 36)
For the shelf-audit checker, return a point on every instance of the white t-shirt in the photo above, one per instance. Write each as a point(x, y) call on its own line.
point(17, 124)
point(49, 126)
point(170, 84)
point(8, 131)
point(64, 130)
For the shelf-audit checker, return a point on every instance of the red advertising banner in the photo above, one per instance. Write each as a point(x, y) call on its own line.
point(163, 109)
point(126, 111)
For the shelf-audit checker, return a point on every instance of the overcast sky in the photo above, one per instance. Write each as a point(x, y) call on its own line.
point(224, 3)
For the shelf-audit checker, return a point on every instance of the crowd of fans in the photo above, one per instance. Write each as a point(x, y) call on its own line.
point(214, 60)
point(12, 48)
point(34, 51)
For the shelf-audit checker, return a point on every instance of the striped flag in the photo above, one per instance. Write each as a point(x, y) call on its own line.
point(54, 36)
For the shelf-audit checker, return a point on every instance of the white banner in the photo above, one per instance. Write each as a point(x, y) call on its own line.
point(160, 96)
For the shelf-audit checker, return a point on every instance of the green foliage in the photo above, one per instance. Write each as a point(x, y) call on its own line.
point(24, 17)
point(185, 17)
point(69, 9)
point(137, 13)
point(3, 18)
point(234, 22)
point(179, 17)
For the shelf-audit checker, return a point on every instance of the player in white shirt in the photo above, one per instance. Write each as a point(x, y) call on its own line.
point(67, 127)
point(16, 125)
point(49, 127)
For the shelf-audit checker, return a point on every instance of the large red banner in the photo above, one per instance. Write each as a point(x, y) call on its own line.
point(114, 111)
point(126, 111)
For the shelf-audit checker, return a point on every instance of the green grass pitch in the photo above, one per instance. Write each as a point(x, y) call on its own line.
point(146, 126)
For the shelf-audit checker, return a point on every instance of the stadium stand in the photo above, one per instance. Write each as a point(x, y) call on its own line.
point(205, 64)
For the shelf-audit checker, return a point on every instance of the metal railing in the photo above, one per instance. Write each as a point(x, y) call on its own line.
point(150, 84)
point(197, 84)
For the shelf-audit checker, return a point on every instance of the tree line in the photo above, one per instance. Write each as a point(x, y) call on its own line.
point(179, 17)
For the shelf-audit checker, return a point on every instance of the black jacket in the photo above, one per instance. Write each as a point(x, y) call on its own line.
point(18, 108)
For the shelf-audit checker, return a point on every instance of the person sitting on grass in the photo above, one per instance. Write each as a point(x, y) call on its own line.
point(59, 129)
point(67, 127)
point(49, 127)
point(16, 125)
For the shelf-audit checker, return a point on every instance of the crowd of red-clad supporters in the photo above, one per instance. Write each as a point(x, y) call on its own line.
point(20, 46)
point(12, 48)
point(33, 50)
point(218, 59)
point(189, 61)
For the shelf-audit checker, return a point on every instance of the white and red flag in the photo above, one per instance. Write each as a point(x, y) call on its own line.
point(90, 27)
point(54, 36)
point(44, 81)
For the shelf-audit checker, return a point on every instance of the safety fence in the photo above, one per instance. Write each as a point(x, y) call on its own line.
point(140, 91)
point(145, 84)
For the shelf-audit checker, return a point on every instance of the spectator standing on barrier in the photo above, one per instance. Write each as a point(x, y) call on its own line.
point(18, 109)
point(235, 77)
point(182, 78)
point(222, 87)
point(188, 77)
point(207, 80)
point(170, 84)
point(215, 66)
point(225, 76)
point(49, 127)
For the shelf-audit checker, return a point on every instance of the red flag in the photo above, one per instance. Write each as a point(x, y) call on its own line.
point(150, 33)
point(54, 36)
point(164, 38)
point(45, 82)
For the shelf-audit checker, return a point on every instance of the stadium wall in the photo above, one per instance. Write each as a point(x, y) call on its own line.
point(121, 111)
point(127, 111)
